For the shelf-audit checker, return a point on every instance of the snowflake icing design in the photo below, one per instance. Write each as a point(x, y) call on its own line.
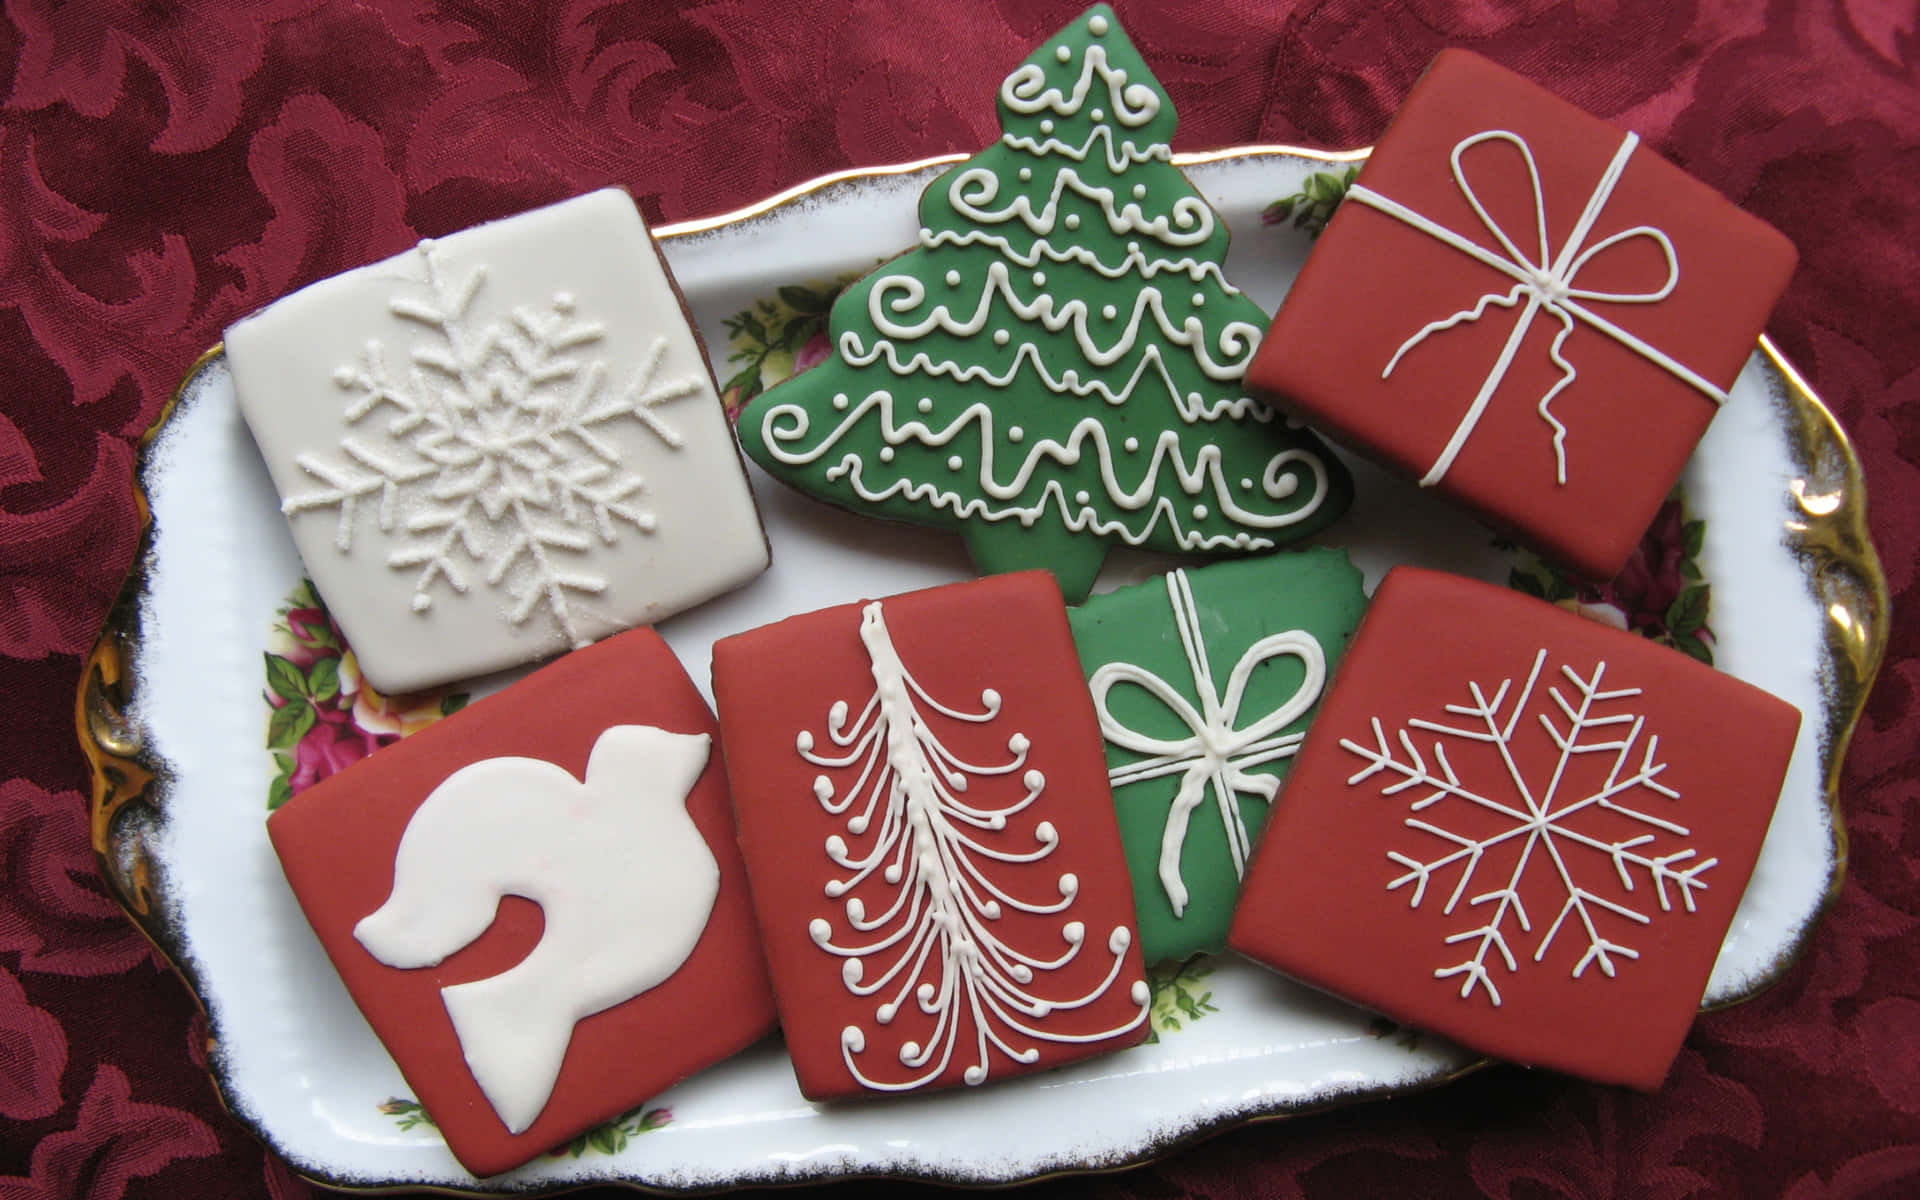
point(494, 457)
point(1553, 832)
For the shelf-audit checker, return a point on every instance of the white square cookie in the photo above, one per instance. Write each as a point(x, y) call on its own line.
point(499, 445)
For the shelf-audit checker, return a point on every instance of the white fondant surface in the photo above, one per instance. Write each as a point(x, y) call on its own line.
point(298, 1062)
point(498, 445)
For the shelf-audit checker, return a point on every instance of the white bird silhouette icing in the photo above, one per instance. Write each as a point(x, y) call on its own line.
point(618, 849)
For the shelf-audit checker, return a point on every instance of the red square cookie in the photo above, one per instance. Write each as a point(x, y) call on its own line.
point(587, 805)
point(1524, 307)
point(1518, 828)
point(922, 796)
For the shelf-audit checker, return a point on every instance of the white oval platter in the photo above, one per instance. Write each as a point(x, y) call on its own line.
point(296, 1062)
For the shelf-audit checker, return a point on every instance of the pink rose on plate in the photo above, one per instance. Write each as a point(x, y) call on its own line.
point(312, 637)
point(331, 746)
point(1652, 580)
point(814, 351)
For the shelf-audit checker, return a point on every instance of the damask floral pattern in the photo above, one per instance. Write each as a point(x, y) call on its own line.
point(165, 169)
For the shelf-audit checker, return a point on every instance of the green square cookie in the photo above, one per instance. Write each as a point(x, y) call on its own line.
point(1205, 681)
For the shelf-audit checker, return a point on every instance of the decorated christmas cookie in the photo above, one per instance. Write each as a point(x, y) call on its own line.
point(1204, 682)
point(1527, 309)
point(1518, 828)
point(538, 903)
point(499, 445)
point(925, 816)
point(1057, 368)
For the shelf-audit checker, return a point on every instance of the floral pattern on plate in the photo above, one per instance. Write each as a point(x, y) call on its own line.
point(322, 716)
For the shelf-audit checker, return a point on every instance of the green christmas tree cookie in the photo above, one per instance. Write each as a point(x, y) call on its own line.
point(1057, 367)
point(1205, 681)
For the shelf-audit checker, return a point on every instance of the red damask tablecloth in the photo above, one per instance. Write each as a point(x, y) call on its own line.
point(165, 168)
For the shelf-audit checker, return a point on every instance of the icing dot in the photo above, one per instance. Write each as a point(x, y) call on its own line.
point(1046, 126)
point(1132, 444)
point(422, 602)
point(886, 454)
point(1000, 337)
point(1199, 301)
point(563, 302)
point(1139, 191)
point(1199, 512)
point(1109, 312)
point(1063, 53)
point(1098, 114)
point(1246, 483)
point(1072, 221)
point(343, 376)
point(925, 405)
point(1039, 279)
point(955, 462)
point(840, 400)
point(1098, 26)
point(1081, 497)
point(1026, 173)
point(1015, 433)
point(953, 279)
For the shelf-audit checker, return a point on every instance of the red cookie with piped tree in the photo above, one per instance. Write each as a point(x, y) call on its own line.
point(921, 789)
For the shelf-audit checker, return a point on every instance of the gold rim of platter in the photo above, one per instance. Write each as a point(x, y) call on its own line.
point(1826, 528)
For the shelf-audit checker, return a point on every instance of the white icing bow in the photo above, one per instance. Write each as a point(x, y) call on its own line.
point(1545, 283)
point(1216, 750)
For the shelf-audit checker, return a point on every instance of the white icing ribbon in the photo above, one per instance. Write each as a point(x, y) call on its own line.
point(1546, 283)
point(1216, 751)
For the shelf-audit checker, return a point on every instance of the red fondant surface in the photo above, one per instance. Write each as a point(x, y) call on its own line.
point(1318, 903)
point(337, 842)
point(166, 169)
point(1007, 633)
point(1374, 281)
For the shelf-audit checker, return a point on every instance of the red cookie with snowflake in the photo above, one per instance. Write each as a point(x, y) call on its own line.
point(921, 789)
point(1518, 828)
point(538, 903)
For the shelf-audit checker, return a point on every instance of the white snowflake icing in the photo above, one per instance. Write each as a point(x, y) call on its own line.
point(1556, 834)
point(493, 457)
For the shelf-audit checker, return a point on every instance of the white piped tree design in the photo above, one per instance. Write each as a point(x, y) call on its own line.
point(1538, 828)
point(937, 945)
point(485, 454)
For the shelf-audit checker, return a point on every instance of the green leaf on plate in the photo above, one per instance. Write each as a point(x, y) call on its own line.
point(805, 300)
point(285, 679)
point(1693, 535)
point(289, 723)
point(279, 791)
point(1693, 647)
point(1688, 612)
point(323, 682)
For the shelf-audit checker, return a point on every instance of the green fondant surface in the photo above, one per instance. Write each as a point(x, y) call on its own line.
point(1237, 604)
point(1060, 353)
